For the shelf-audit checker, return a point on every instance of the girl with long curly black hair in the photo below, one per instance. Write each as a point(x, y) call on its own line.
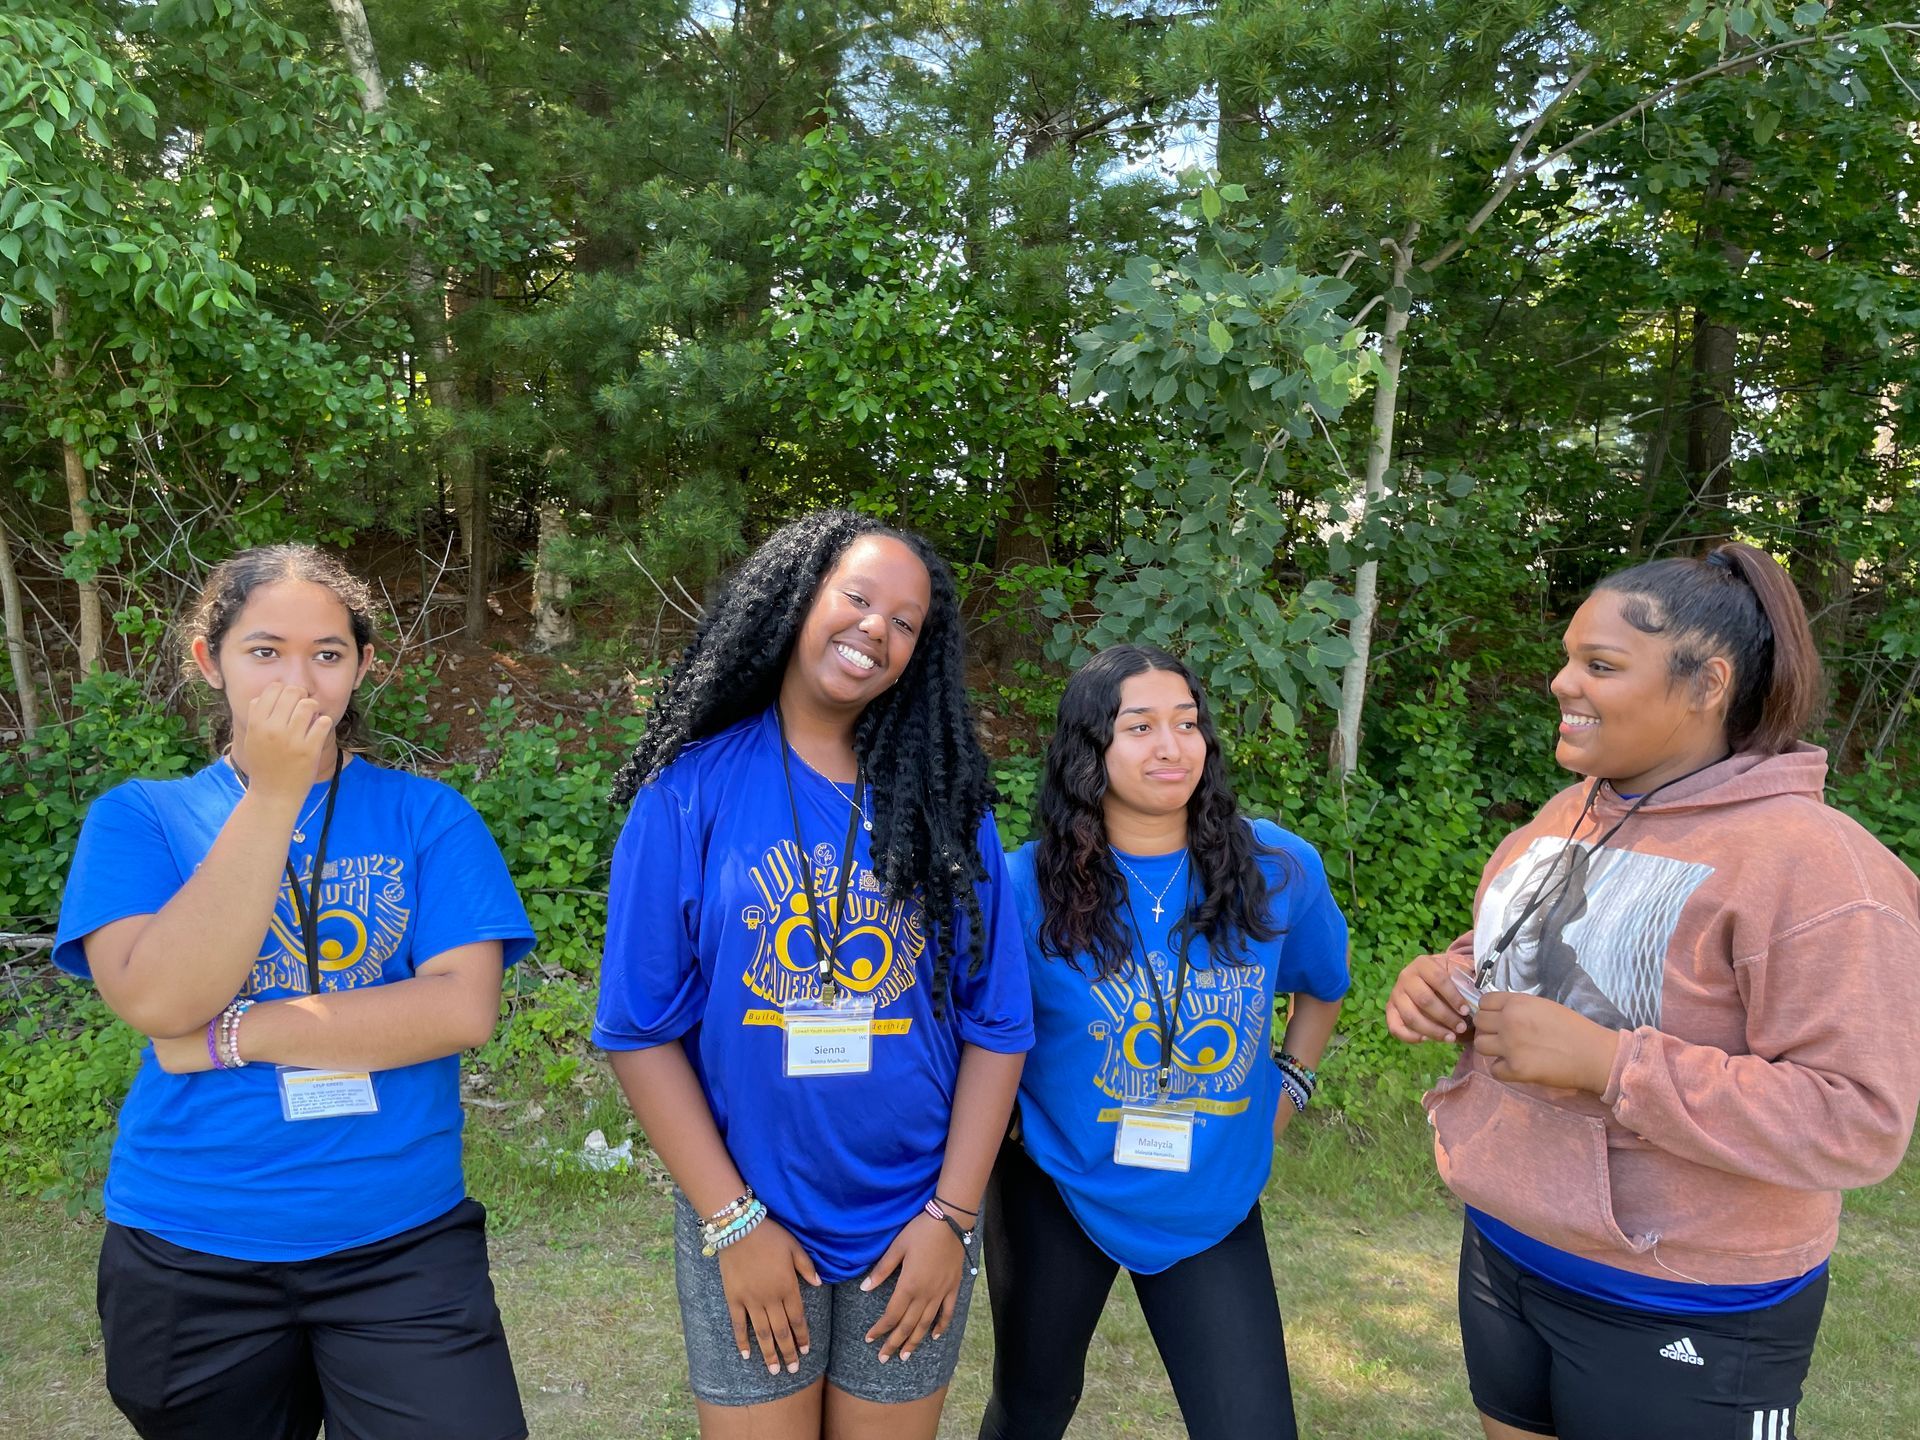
point(814, 989)
point(1160, 925)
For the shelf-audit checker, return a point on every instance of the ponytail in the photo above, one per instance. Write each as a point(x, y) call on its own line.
point(1739, 604)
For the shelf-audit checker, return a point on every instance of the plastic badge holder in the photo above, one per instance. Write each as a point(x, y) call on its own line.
point(1155, 1137)
point(828, 1039)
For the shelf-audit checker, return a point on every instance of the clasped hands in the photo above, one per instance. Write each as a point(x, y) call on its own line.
point(762, 1274)
point(1525, 1038)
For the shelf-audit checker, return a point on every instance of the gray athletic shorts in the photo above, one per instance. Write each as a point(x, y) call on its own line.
point(838, 1318)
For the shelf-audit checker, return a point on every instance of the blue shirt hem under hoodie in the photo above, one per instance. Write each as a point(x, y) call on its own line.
point(1613, 1286)
point(1097, 1049)
point(709, 934)
point(207, 1161)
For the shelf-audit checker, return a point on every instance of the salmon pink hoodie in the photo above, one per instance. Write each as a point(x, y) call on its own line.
point(1759, 953)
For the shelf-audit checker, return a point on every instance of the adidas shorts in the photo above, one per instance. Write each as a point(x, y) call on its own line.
point(1545, 1360)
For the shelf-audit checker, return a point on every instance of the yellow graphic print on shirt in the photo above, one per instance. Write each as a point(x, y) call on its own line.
point(363, 920)
point(880, 940)
point(1222, 1034)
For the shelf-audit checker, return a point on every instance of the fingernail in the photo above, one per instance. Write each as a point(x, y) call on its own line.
point(806, 1349)
point(743, 1355)
point(906, 1354)
point(883, 1357)
point(794, 1368)
point(773, 1369)
point(866, 1284)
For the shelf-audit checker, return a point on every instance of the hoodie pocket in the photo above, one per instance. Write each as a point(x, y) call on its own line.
point(1539, 1168)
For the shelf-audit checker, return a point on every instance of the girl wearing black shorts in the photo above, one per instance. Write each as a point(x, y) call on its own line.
point(1688, 1005)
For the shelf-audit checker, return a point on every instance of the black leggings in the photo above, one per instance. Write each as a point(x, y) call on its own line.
point(1214, 1316)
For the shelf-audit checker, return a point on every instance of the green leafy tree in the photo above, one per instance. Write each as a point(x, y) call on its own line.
point(183, 378)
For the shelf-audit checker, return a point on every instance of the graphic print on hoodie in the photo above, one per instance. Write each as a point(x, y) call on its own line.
point(1598, 941)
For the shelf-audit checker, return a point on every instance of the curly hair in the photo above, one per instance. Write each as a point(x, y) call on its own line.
point(926, 771)
point(1081, 892)
point(232, 582)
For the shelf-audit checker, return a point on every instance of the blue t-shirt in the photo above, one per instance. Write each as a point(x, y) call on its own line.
point(207, 1161)
point(1613, 1286)
point(708, 936)
point(1097, 1048)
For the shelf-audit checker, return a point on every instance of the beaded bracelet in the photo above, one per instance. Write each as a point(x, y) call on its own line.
point(730, 1209)
point(715, 1238)
point(228, 1056)
point(1291, 1089)
point(964, 1236)
point(1304, 1076)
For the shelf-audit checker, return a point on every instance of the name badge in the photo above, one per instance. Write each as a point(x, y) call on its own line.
point(1155, 1137)
point(829, 1039)
point(321, 1094)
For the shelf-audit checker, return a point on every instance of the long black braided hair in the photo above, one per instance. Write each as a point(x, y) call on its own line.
point(927, 773)
point(1081, 893)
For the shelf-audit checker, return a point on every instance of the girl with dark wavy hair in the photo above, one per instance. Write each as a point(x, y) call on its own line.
point(1161, 925)
point(813, 989)
point(309, 939)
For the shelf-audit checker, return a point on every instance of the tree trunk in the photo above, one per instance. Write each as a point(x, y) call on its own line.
point(552, 586)
point(356, 38)
point(1386, 395)
point(1026, 530)
point(1716, 343)
point(18, 655)
point(475, 479)
point(427, 297)
point(1659, 447)
point(79, 502)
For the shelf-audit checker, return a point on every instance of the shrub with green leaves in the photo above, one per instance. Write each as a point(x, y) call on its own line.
point(45, 788)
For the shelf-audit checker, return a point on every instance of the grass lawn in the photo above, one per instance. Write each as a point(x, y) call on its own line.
point(1363, 1238)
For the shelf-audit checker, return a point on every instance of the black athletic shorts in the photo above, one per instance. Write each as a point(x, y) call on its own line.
point(397, 1340)
point(1551, 1362)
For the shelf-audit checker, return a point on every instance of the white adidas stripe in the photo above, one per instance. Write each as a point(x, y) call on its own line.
point(1773, 1424)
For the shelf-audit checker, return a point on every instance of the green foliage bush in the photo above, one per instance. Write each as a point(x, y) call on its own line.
point(65, 1063)
point(1404, 841)
point(1403, 847)
point(1886, 804)
point(543, 791)
point(45, 787)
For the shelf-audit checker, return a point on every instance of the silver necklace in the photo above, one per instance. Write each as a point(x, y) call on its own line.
point(866, 820)
point(299, 829)
point(1158, 907)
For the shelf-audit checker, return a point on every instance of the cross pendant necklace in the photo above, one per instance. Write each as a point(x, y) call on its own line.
point(1159, 907)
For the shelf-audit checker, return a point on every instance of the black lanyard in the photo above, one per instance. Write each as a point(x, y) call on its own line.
point(1558, 881)
point(826, 946)
point(1169, 1021)
point(308, 915)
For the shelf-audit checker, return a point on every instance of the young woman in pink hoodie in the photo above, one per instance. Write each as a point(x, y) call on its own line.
point(1686, 1009)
